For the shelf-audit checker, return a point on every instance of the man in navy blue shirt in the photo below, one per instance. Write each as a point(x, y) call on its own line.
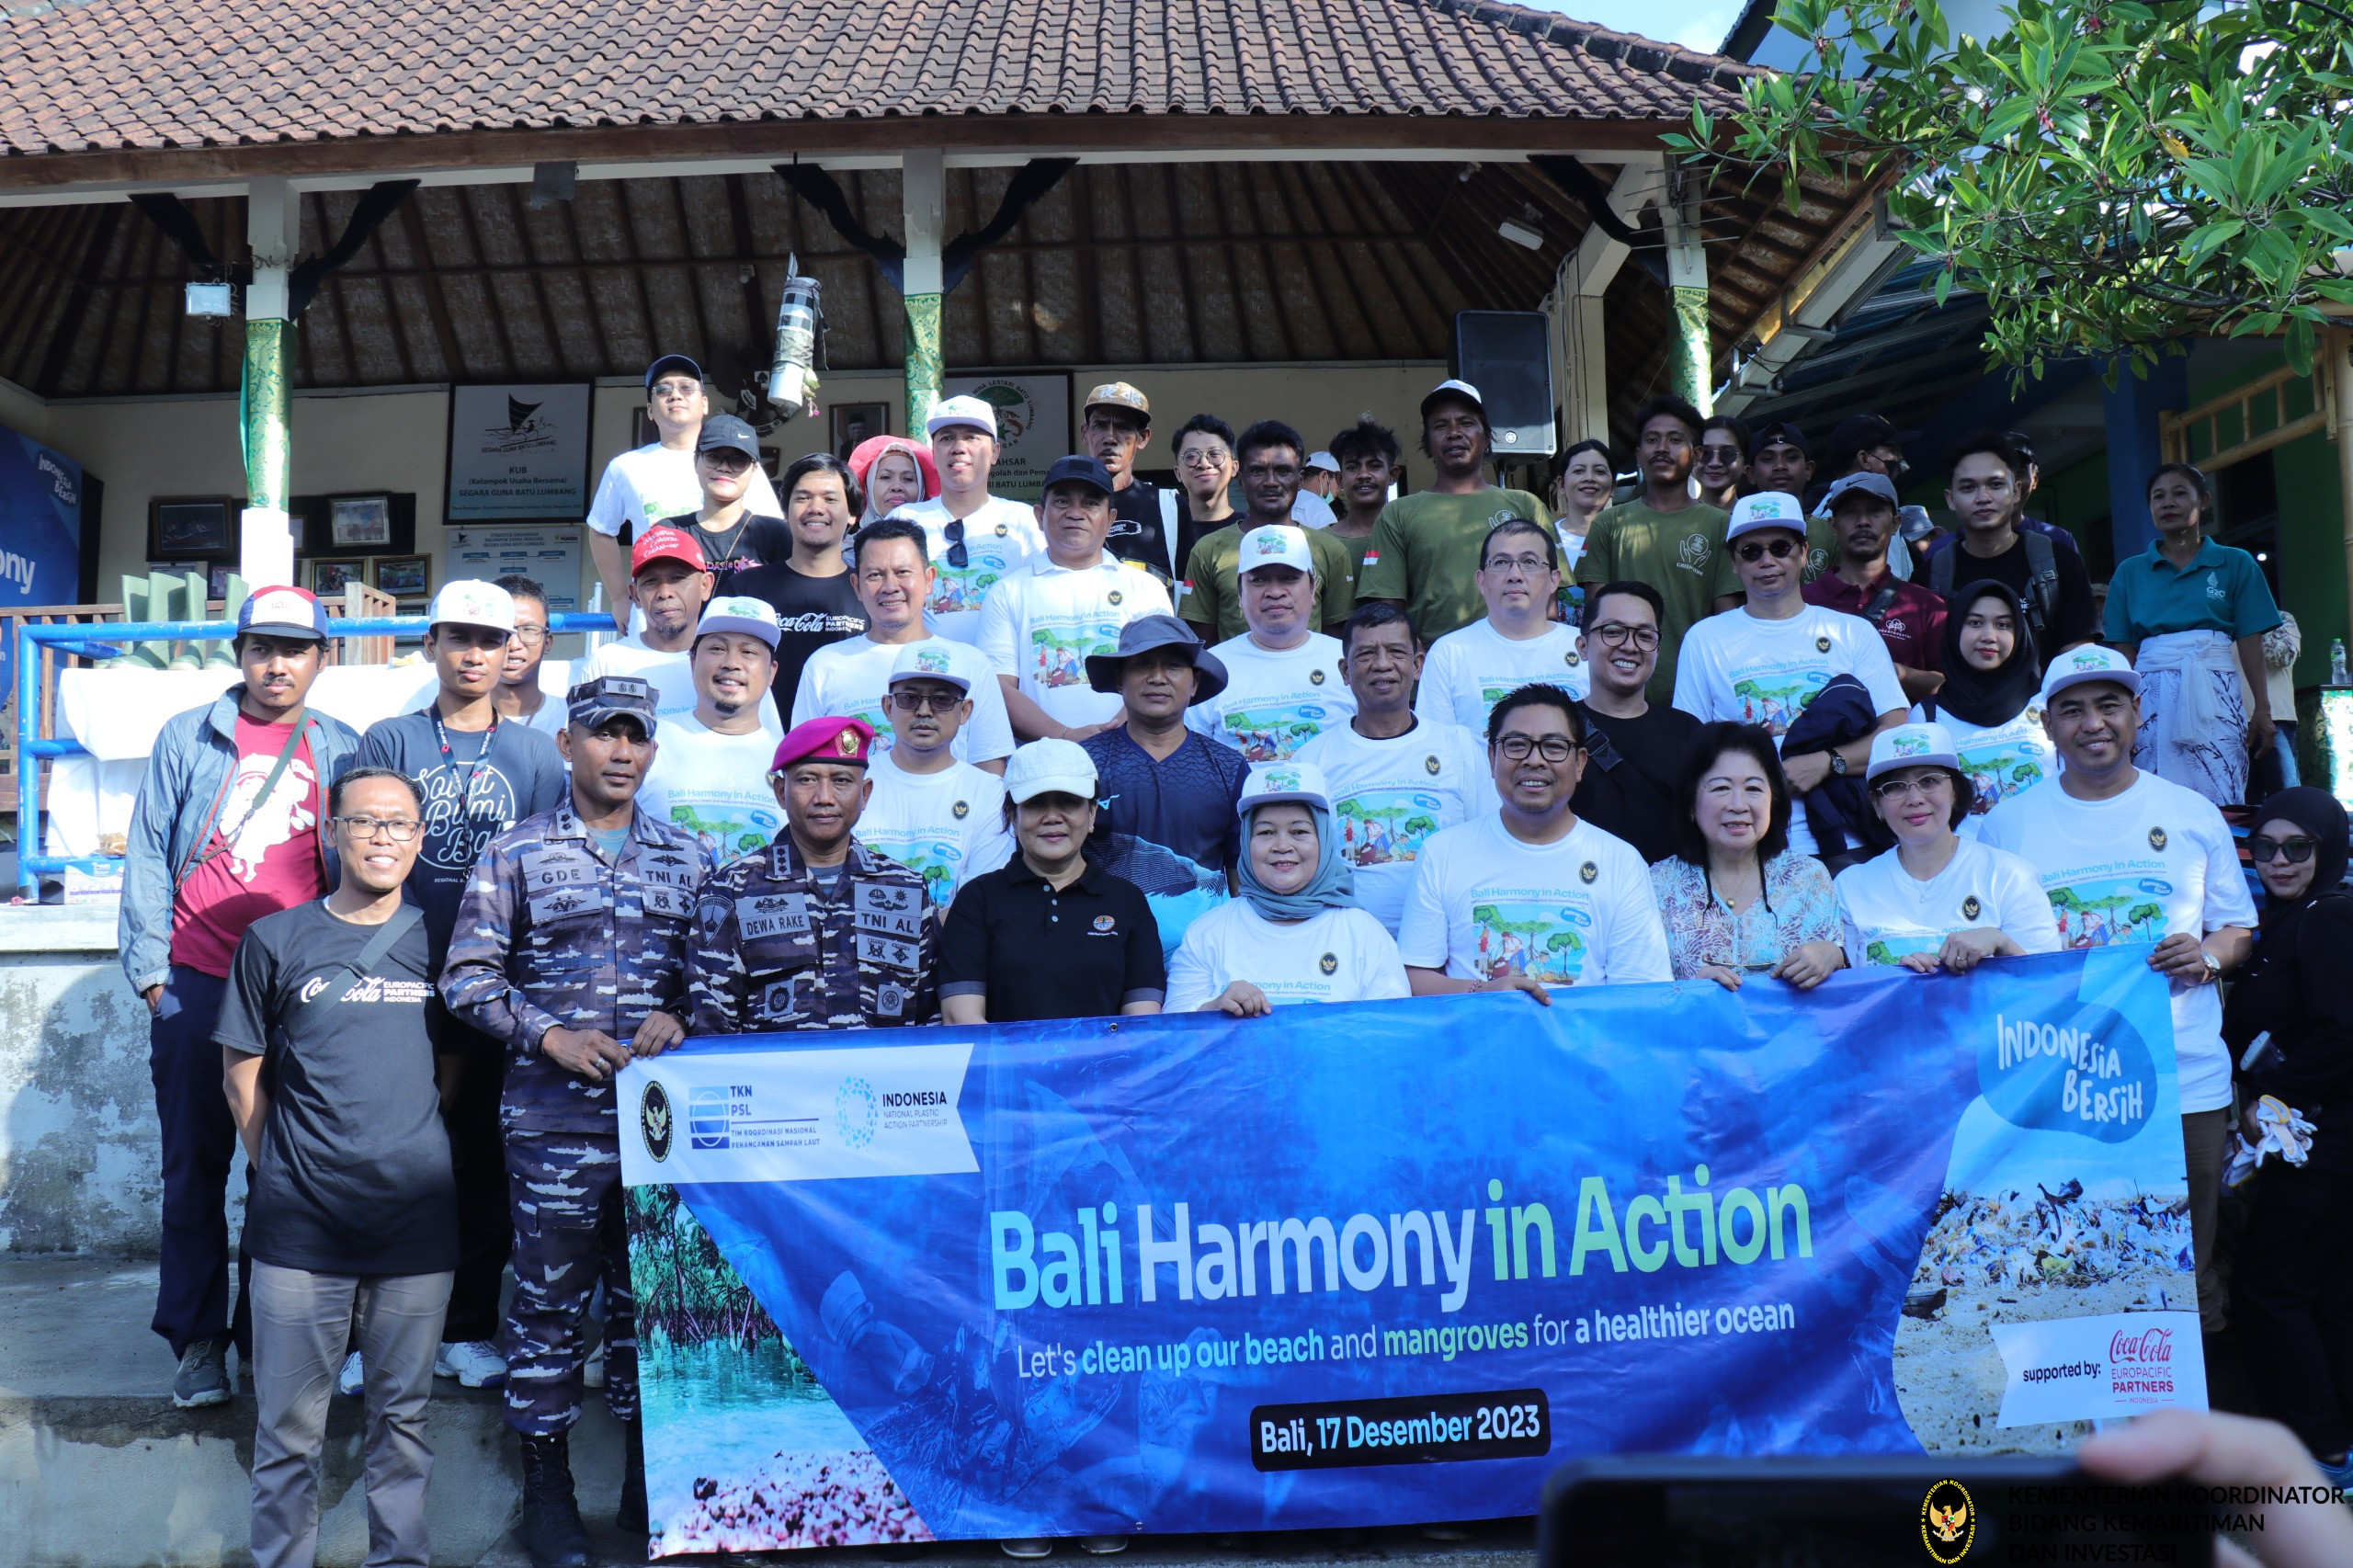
point(481, 775)
point(1168, 820)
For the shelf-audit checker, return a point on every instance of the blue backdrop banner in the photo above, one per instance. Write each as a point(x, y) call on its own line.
point(1391, 1262)
point(41, 532)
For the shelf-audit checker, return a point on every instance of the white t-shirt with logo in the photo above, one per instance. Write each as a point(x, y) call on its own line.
point(2001, 760)
point(1040, 624)
point(1389, 797)
point(2135, 868)
point(1472, 669)
point(947, 827)
point(1275, 700)
point(1744, 668)
point(997, 539)
point(1339, 955)
point(651, 483)
point(713, 785)
point(1889, 915)
point(1580, 910)
point(851, 678)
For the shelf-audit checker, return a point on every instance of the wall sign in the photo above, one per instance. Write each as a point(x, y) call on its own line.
point(549, 557)
point(1033, 426)
point(518, 451)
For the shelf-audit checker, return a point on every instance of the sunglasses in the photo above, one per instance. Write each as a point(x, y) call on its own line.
point(1755, 550)
point(925, 701)
point(959, 557)
point(1726, 455)
point(2295, 851)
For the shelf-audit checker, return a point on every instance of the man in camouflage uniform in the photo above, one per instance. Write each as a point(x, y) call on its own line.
point(569, 950)
point(817, 931)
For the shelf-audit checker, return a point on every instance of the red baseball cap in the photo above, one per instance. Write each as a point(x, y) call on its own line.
point(666, 544)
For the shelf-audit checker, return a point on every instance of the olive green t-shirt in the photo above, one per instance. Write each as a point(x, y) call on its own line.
point(1680, 554)
point(1211, 596)
point(1425, 551)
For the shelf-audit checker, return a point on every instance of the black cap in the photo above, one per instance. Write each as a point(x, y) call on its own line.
point(1861, 432)
point(592, 702)
point(724, 432)
point(667, 364)
point(1085, 470)
point(1779, 432)
point(1146, 633)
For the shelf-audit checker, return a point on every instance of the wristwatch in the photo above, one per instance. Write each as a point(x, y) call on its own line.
point(2213, 967)
point(1838, 764)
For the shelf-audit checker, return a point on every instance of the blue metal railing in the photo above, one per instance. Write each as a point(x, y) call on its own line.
point(107, 641)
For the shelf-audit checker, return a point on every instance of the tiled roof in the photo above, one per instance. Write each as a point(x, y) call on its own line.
point(123, 75)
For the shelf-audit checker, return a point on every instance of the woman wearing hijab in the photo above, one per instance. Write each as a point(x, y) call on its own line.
point(2191, 615)
point(2292, 1287)
point(894, 473)
point(1295, 934)
point(1936, 901)
point(1988, 701)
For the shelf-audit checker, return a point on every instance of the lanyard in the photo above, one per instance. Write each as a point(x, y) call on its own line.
point(449, 760)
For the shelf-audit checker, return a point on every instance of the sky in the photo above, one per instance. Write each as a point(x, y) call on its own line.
point(1697, 24)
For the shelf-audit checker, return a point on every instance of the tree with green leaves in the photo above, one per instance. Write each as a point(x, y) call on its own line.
point(2109, 174)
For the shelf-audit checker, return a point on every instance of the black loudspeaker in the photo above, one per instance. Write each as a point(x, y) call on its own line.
point(1505, 356)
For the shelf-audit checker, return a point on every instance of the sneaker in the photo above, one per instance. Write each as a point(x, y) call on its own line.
point(353, 1378)
point(203, 1376)
point(475, 1363)
point(1103, 1545)
point(592, 1370)
point(1026, 1547)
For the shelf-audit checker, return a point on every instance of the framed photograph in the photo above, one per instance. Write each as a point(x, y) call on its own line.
point(855, 421)
point(216, 579)
point(327, 577)
point(405, 576)
point(178, 527)
point(518, 452)
point(359, 522)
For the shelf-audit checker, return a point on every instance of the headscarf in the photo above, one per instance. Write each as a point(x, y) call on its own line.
point(868, 453)
point(1987, 698)
point(1334, 885)
point(2318, 813)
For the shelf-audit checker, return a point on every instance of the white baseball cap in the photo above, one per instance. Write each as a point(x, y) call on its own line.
point(970, 411)
point(1454, 386)
point(1765, 509)
point(469, 601)
point(740, 612)
point(927, 661)
point(1912, 745)
point(1049, 768)
point(1324, 461)
point(1277, 544)
point(1269, 782)
point(2089, 662)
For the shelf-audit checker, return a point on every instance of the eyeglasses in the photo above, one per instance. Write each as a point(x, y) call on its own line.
point(399, 830)
point(925, 701)
point(1200, 456)
point(727, 461)
point(1726, 455)
point(1617, 634)
point(959, 557)
point(531, 636)
point(1893, 790)
point(2295, 851)
point(1552, 748)
point(1528, 565)
point(1755, 550)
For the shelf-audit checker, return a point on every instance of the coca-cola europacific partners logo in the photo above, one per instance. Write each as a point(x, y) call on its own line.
point(2141, 1363)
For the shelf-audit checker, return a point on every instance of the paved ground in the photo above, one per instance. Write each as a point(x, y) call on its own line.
point(96, 1470)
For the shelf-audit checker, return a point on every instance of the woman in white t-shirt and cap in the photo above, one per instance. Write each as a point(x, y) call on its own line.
point(1937, 900)
point(1295, 934)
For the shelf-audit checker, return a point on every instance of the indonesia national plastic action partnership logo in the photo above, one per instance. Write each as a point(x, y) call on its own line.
point(854, 1109)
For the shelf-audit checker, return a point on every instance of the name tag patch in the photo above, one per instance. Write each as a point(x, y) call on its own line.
point(883, 910)
point(767, 915)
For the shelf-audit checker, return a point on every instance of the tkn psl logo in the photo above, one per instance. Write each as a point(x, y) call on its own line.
point(1947, 1521)
point(854, 1110)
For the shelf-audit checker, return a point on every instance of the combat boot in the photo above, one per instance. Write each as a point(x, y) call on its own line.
point(551, 1530)
point(632, 1518)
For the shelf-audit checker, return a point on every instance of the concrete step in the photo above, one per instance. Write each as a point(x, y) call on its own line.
point(97, 1470)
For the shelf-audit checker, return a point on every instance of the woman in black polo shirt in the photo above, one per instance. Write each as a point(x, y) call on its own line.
point(1048, 936)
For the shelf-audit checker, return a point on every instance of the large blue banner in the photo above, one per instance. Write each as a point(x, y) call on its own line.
point(41, 532)
point(1394, 1262)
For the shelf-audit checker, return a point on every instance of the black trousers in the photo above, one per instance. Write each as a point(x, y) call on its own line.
point(2292, 1297)
point(199, 1149)
point(478, 1159)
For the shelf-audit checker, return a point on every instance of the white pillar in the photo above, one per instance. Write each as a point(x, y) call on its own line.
point(1583, 370)
point(1691, 369)
point(923, 193)
point(265, 533)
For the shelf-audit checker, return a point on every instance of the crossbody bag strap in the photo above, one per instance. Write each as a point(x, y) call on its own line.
point(387, 935)
point(223, 837)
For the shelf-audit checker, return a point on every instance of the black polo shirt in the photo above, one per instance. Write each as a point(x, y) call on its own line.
point(1084, 952)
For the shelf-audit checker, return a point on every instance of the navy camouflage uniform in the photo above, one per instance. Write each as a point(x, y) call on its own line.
point(549, 934)
point(778, 947)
